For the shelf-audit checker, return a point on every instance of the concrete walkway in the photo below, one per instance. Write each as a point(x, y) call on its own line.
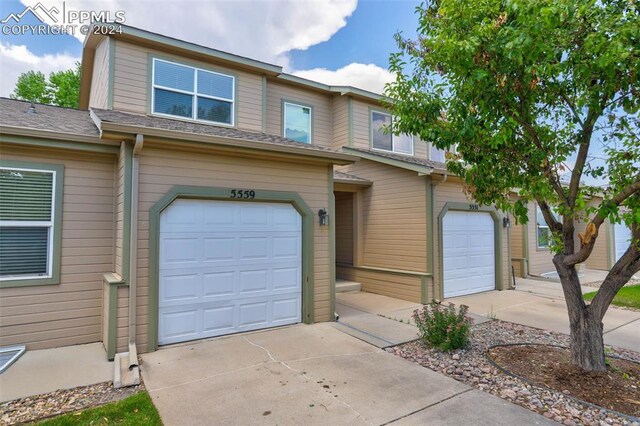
point(541, 304)
point(48, 370)
point(312, 375)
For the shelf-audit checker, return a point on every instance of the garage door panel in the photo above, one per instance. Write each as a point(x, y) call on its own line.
point(622, 239)
point(469, 253)
point(241, 268)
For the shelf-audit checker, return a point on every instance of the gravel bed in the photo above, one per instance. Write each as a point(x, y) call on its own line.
point(597, 284)
point(472, 367)
point(62, 401)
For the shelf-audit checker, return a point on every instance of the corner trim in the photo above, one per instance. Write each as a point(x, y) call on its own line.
point(210, 193)
point(497, 229)
point(332, 246)
point(430, 205)
point(56, 246)
point(126, 220)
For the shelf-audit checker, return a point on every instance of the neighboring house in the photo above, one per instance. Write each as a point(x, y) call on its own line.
point(200, 186)
point(530, 245)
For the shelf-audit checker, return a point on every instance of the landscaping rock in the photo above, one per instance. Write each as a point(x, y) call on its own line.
point(481, 374)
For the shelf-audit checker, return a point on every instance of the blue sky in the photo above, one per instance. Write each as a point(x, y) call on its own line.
point(336, 41)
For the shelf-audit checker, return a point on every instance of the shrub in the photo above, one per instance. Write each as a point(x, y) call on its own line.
point(443, 327)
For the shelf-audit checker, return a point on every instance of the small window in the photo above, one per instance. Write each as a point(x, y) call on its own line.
point(387, 141)
point(542, 229)
point(297, 122)
point(193, 93)
point(440, 155)
point(26, 223)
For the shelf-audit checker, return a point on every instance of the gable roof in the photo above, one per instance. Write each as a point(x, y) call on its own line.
point(341, 177)
point(408, 162)
point(14, 114)
point(117, 121)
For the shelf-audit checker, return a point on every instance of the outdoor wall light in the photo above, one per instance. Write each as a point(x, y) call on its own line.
point(506, 222)
point(323, 216)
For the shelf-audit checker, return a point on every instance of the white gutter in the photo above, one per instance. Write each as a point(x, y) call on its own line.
point(133, 254)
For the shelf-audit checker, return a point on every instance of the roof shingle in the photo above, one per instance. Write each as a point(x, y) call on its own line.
point(404, 158)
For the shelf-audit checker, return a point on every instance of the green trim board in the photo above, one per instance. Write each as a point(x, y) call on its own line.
point(525, 249)
point(210, 193)
point(56, 244)
point(113, 282)
point(302, 104)
point(194, 64)
point(52, 143)
point(332, 246)
point(430, 207)
point(126, 219)
point(112, 68)
point(497, 228)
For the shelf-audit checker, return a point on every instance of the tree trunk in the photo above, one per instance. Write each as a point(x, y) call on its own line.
point(587, 344)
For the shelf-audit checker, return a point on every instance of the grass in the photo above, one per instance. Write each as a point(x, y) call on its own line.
point(132, 411)
point(627, 296)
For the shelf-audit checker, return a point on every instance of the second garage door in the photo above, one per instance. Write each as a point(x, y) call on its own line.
point(227, 267)
point(468, 253)
point(622, 237)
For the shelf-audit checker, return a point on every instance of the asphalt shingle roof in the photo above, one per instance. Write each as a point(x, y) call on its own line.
point(46, 117)
point(169, 124)
point(345, 177)
point(405, 158)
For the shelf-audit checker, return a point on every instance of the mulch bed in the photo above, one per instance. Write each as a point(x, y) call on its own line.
point(38, 407)
point(616, 389)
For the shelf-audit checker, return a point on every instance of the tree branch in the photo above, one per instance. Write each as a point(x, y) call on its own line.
point(586, 249)
point(549, 217)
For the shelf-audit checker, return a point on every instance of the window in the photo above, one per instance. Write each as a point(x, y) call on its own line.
point(297, 122)
point(27, 218)
point(188, 92)
point(440, 155)
point(543, 231)
point(387, 141)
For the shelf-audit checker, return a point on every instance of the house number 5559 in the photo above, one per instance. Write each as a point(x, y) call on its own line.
point(244, 194)
point(473, 207)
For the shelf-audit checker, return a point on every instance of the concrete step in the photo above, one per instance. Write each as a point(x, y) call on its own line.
point(344, 286)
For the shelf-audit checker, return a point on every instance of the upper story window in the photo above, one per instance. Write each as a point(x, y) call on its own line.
point(440, 155)
point(543, 233)
point(27, 212)
point(193, 93)
point(297, 122)
point(402, 144)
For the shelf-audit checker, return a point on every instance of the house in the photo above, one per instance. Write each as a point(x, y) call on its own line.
point(196, 193)
point(530, 244)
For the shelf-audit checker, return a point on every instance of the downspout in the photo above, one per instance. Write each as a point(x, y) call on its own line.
point(133, 254)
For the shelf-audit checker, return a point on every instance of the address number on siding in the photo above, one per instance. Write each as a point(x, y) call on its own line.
point(474, 207)
point(243, 193)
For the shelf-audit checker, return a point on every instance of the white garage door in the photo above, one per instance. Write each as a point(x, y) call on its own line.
point(469, 253)
point(227, 267)
point(622, 237)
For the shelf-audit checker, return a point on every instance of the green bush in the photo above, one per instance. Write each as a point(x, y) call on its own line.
point(443, 327)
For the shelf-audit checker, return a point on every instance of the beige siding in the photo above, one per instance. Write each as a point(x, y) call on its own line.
point(161, 169)
point(131, 85)
point(340, 121)
point(451, 191)
point(344, 227)
point(70, 312)
point(394, 217)
point(399, 286)
point(540, 259)
point(322, 110)
point(100, 79)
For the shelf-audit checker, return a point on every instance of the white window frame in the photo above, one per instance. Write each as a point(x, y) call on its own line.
point(36, 224)
point(393, 136)
point(194, 94)
point(284, 119)
point(543, 226)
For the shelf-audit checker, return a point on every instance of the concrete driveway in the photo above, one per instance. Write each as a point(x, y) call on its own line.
point(310, 374)
point(541, 304)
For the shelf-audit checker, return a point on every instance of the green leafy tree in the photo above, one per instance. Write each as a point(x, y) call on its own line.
point(62, 88)
point(525, 88)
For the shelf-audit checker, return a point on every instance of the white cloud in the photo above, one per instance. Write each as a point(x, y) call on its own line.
point(363, 76)
point(16, 59)
point(260, 29)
